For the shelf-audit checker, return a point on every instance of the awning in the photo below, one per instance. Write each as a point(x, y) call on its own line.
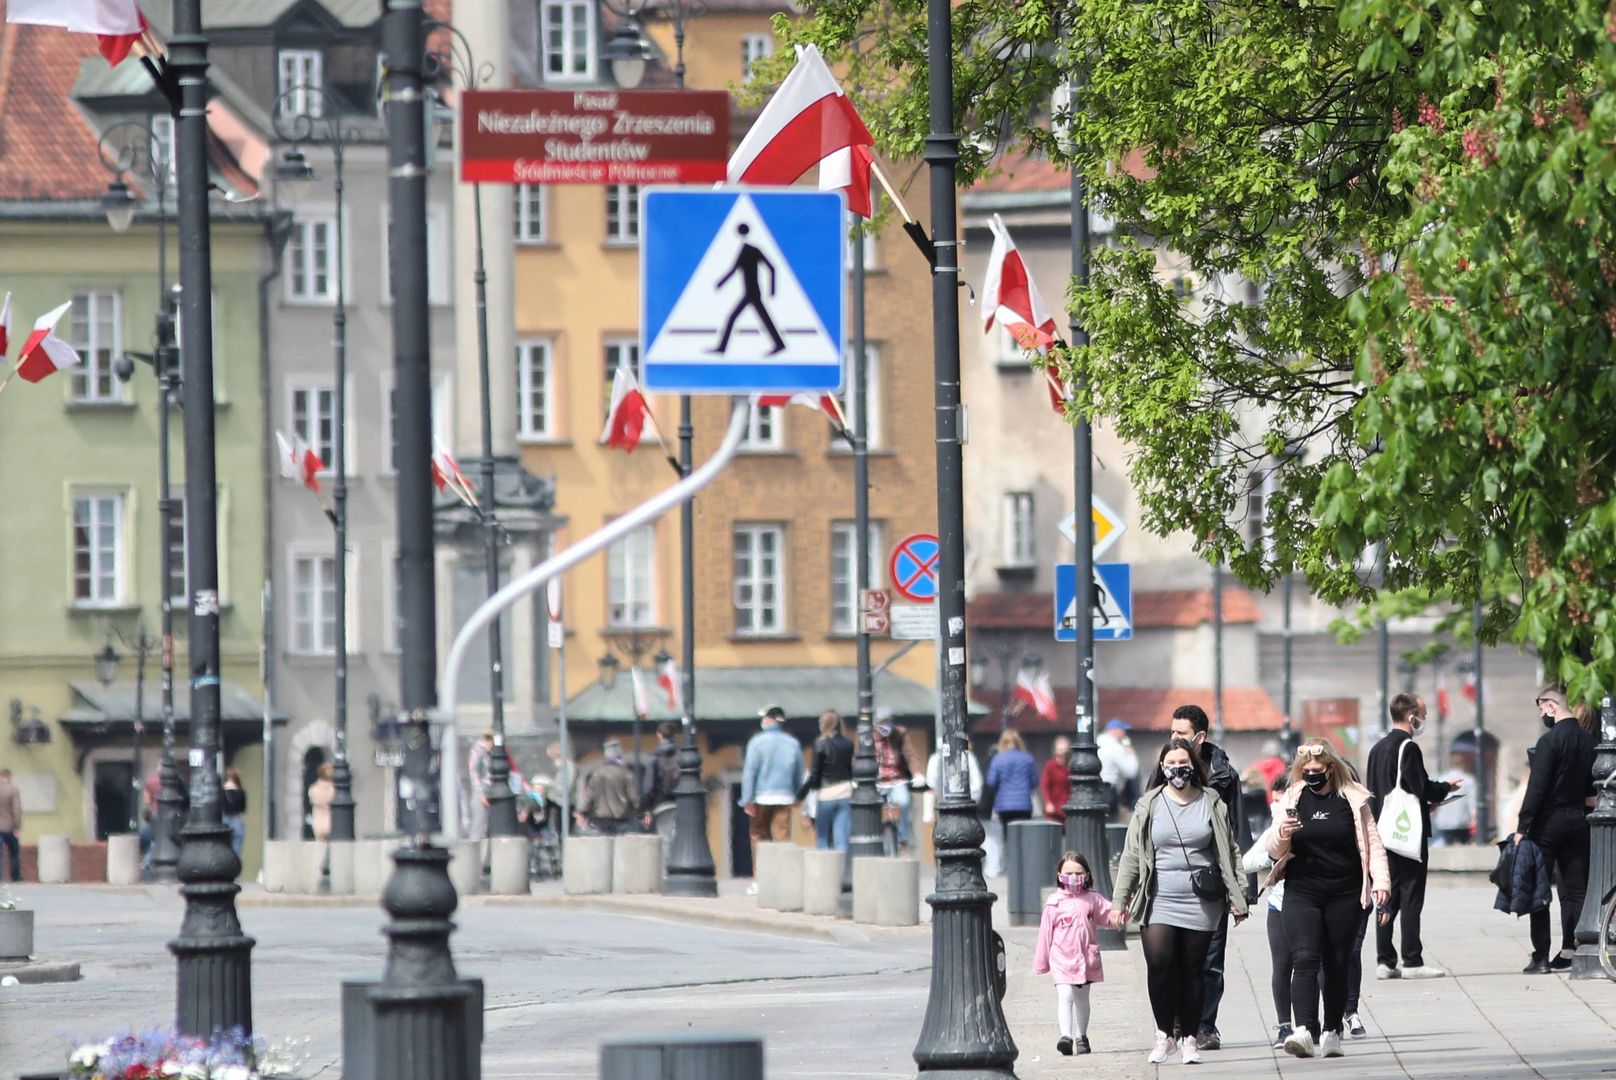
point(736, 694)
point(110, 710)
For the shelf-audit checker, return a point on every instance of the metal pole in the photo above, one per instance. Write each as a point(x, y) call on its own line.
point(213, 956)
point(1217, 650)
point(1384, 653)
point(420, 1028)
point(142, 647)
point(1483, 780)
point(342, 800)
point(501, 800)
point(1602, 848)
point(1086, 808)
point(1287, 731)
point(565, 769)
point(964, 1033)
point(268, 607)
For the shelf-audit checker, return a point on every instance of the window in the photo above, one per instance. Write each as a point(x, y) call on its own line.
point(314, 418)
point(95, 330)
point(300, 73)
point(759, 580)
point(98, 529)
point(1007, 351)
point(872, 393)
point(567, 30)
point(1019, 546)
point(631, 579)
point(179, 571)
point(619, 351)
point(860, 232)
point(314, 605)
point(763, 428)
point(528, 218)
point(622, 213)
point(535, 390)
point(393, 616)
point(754, 47)
point(1260, 489)
point(310, 270)
point(442, 419)
point(162, 151)
point(844, 570)
point(437, 257)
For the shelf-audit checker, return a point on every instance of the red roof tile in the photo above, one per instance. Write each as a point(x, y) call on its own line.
point(1024, 172)
point(1153, 609)
point(47, 147)
point(1145, 708)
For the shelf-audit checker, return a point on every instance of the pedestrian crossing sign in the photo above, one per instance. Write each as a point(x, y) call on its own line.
point(1112, 614)
point(741, 291)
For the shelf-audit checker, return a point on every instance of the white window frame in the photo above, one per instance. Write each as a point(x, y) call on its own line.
point(623, 226)
point(612, 350)
point(765, 429)
point(439, 288)
point(179, 561)
point(163, 144)
point(302, 260)
point(1020, 529)
point(575, 67)
point(106, 507)
point(868, 237)
point(296, 70)
point(442, 417)
point(1259, 503)
point(844, 606)
point(754, 616)
point(392, 581)
point(96, 314)
point(530, 213)
point(1007, 352)
point(318, 555)
point(631, 580)
point(535, 377)
point(308, 431)
point(754, 47)
point(874, 437)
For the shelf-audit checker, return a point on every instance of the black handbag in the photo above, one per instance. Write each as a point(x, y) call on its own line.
point(1206, 882)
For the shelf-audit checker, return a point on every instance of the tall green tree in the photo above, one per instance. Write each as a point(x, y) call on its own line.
point(1399, 222)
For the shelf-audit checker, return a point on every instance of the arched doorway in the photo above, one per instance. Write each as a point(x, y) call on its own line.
point(313, 758)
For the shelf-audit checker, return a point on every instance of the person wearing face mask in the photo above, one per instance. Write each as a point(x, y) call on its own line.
point(1327, 851)
point(1179, 876)
point(1554, 816)
point(1391, 766)
point(1068, 949)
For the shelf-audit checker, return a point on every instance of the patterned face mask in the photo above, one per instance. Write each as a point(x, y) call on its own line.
point(1075, 882)
point(1178, 775)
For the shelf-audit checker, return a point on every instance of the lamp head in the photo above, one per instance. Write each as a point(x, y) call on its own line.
point(628, 53)
point(119, 205)
point(106, 664)
point(294, 167)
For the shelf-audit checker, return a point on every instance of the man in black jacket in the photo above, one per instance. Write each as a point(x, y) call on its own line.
point(1408, 875)
point(1190, 723)
point(1554, 815)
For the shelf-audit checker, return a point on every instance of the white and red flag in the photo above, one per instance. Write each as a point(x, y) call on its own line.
point(1035, 693)
point(642, 704)
point(825, 403)
point(626, 417)
point(668, 679)
point(117, 23)
point(1010, 296)
point(299, 462)
point(44, 353)
point(446, 475)
point(5, 327)
point(809, 121)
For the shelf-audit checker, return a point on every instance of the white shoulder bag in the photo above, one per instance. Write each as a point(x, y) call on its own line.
point(1400, 823)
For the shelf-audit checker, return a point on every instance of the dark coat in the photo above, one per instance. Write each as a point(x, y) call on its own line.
point(1522, 877)
point(1562, 777)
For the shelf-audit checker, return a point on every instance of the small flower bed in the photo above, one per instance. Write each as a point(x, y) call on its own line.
point(159, 1053)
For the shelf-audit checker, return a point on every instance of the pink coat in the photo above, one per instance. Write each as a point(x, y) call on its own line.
point(1068, 946)
point(1376, 873)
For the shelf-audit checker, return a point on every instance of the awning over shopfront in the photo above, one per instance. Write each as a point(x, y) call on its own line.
point(109, 711)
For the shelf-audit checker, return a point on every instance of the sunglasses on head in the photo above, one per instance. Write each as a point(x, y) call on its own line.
point(1311, 751)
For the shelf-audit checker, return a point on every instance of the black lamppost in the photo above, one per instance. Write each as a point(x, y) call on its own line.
point(690, 869)
point(128, 148)
point(106, 672)
point(964, 1033)
point(300, 113)
point(1602, 848)
point(213, 956)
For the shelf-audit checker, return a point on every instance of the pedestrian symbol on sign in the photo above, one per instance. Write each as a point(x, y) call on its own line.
point(747, 263)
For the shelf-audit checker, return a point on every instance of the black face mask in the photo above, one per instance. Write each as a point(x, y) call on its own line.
point(1178, 775)
point(1314, 781)
point(1548, 720)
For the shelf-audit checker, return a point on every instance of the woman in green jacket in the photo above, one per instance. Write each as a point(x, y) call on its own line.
point(1179, 876)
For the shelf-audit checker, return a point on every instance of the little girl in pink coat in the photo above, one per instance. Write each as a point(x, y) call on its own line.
point(1069, 948)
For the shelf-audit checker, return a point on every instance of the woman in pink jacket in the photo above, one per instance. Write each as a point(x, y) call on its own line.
point(1069, 949)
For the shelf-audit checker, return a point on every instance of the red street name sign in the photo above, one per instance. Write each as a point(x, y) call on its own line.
point(594, 136)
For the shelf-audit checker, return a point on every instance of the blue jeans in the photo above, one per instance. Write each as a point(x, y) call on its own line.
point(238, 832)
point(833, 821)
point(897, 794)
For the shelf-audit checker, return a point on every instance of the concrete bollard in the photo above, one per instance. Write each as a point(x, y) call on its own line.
point(341, 875)
point(309, 872)
point(508, 866)
point(779, 877)
point(701, 1055)
point(886, 892)
point(16, 934)
point(587, 865)
point(281, 865)
point(865, 884)
point(637, 864)
point(466, 866)
point(821, 882)
point(55, 860)
point(123, 859)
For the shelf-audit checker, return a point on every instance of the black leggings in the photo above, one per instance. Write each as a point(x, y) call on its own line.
point(1279, 956)
point(1321, 929)
point(1564, 842)
point(1174, 963)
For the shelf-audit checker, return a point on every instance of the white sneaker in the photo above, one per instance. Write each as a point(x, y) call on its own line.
point(1163, 1049)
point(751, 890)
point(1355, 1026)
point(1191, 1051)
point(1300, 1044)
point(1384, 972)
point(1330, 1044)
point(1424, 971)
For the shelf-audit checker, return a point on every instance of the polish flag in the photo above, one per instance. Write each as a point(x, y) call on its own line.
point(299, 462)
point(446, 474)
point(5, 326)
point(44, 352)
point(668, 679)
point(825, 403)
point(118, 23)
point(626, 417)
point(642, 704)
point(1011, 296)
point(809, 121)
point(1035, 694)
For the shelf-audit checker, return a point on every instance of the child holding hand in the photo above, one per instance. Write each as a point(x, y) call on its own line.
point(1069, 948)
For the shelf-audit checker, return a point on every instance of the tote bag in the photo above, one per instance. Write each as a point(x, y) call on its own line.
point(1400, 825)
